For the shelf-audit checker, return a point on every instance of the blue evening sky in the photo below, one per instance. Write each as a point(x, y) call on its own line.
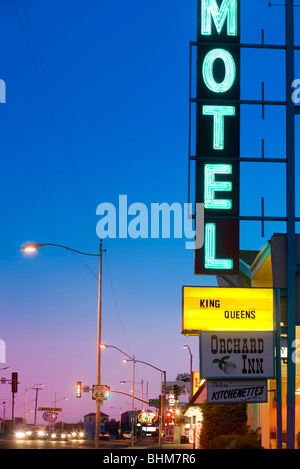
point(119, 76)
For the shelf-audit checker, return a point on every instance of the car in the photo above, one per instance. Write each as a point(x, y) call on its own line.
point(104, 436)
point(30, 433)
point(59, 435)
point(127, 435)
point(23, 434)
point(76, 435)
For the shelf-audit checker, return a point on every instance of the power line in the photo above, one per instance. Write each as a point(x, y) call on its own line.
point(55, 119)
point(59, 130)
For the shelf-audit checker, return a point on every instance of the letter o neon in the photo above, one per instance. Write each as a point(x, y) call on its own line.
point(230, 70)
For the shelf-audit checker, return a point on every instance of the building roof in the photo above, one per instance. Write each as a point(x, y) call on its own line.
point(93, 414)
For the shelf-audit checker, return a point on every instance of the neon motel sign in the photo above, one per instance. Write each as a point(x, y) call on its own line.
point(218, 135)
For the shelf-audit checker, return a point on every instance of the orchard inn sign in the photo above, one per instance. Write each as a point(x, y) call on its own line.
point(218, 135)
point(235, 355)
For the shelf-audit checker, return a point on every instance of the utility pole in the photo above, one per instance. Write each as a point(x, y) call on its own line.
point(98, 376)
point(36, 400)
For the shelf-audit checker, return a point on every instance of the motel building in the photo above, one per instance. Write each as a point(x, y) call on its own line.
point(260, 269)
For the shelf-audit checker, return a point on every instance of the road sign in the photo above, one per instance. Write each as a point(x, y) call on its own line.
point(99, 401)
point(86, 389)
point(237, 355)
point(49, 416)
point(99, 392)
point(155, 402)
point(236, 391)
point(50, 409)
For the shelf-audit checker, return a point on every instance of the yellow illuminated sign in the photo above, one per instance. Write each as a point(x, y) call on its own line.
point(226, 309)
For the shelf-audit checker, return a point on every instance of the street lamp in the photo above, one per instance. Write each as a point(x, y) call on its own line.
point(164, 393)
point(133, 384)
point(37, 389)
point(33, 247)
point(25, 404)
point(54, 406)
point(191, 370)
point(133, 372)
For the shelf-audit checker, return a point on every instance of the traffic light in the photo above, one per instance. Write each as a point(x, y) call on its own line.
point(107, 392)
point(168, 418)
point(176, 392)
point(78, 388)
point(14, 382)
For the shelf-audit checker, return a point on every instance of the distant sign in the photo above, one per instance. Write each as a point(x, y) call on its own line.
point(50, 409)
point(238, 355)
point(49, 416)
point(236, 391)
point(155, 402)
point(147, 417)
point(181, 386)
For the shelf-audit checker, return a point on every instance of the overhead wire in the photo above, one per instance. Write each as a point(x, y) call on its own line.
point(55, 117)
point(54, 114)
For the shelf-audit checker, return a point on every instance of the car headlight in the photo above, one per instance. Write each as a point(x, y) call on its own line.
point(28, 433)
point(20, 434)
point(73, 434)
point(40, 433)
point(53, 435)
point(63, 435)
point(81, 434)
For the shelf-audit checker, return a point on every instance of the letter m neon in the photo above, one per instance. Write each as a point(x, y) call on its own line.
point(210, 10)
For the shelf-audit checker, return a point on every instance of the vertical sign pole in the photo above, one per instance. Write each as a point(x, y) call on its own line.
point(98, 376)
point(278, 368)
point(291, 228)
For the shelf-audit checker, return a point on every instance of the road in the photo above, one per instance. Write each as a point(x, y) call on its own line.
point(73, 444)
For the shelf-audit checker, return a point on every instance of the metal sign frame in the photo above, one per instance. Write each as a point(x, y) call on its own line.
point(290, 219)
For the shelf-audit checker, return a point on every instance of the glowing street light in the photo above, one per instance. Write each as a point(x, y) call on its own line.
point(134, 361)
point(33, 247)
point(191, 370)
point(25, 403)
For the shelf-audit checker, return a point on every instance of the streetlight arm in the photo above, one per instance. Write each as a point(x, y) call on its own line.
point(113, 346)
point(39, 245)
point(149, 364)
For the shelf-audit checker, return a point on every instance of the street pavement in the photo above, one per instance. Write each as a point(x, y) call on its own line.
point(11, 443)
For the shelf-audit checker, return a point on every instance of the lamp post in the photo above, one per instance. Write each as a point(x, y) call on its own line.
point(162, 419)
point(25, 403)
point(33, 247)
point(37, 389)
point(191, 370)
point(133, 374)
point(54, 405)
point(142, 393)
